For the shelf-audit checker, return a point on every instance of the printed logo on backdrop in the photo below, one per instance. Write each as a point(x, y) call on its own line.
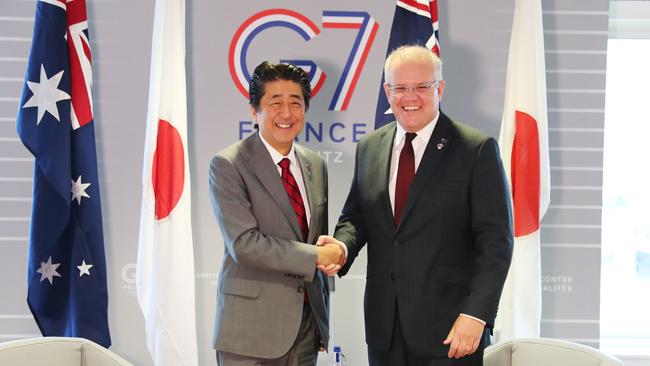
point(207, 277)
point(557, 283)
point(128, 275)
point(358, 25)
point(128, 278)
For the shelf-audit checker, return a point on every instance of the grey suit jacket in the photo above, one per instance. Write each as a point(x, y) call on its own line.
point(266, 268)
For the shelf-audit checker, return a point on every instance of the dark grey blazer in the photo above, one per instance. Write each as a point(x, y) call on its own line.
point(265, 265)
point(451, 252)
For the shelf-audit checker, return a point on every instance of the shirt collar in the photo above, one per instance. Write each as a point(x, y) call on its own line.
point(424, 134)
point(275, 155)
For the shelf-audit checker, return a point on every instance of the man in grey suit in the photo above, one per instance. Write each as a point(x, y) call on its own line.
point(429, 196)
point(270, 198)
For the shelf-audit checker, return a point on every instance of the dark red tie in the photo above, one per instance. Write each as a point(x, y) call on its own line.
point(291, 186)
point(405, 174)
point(295, 198)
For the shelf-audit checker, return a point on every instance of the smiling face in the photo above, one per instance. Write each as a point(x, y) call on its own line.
point(413, 109)
point(281, 114)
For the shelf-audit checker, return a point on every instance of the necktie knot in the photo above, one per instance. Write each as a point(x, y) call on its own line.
point(410, 136)
point(284, 163)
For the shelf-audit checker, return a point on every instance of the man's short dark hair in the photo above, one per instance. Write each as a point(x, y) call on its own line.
point(268, 71)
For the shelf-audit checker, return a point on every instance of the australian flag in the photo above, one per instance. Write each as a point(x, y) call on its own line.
point(67, 268)
point(414, 22)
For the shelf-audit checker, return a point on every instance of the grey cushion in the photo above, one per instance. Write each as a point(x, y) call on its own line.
point(57, 351)
point(544, 352)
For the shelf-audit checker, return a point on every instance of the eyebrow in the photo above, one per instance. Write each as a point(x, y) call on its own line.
point(294, 96)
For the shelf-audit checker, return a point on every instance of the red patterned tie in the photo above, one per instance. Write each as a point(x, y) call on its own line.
point(405, 174)
point(295, 198)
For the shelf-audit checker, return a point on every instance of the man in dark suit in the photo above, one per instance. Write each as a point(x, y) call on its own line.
point(270, 198)
point(429, 196)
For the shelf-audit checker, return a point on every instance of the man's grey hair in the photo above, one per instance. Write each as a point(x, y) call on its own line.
point(412, 53)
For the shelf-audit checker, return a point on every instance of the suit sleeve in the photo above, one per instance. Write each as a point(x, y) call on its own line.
point(243, 240)
point(327, 198)
point(350, 228)
point(491, 222)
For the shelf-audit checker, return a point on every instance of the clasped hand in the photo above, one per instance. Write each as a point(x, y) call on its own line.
point(331, 255)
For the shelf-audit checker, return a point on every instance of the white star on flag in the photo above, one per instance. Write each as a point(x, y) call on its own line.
point(46, 95)
point(84, 268)
point(79, 190)
point(48, 270)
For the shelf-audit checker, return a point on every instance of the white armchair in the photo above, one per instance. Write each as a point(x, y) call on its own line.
point(544, 352)
point(57, 351)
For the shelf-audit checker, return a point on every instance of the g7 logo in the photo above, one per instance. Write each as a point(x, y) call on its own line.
point(366, 31)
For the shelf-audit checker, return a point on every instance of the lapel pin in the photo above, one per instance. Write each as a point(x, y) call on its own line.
point(441, 144)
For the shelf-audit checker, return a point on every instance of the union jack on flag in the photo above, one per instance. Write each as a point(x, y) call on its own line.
point(414, 22)
point(66, 266)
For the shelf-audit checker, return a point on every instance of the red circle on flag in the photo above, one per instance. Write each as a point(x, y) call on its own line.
point(168, 170)
point(525, 174)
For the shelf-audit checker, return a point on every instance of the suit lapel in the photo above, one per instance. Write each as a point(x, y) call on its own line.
point(438, 145)
point(310, 189)
point(383, 155)
point(263, 167)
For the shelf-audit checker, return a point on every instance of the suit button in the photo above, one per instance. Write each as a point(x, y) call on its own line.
point(301, 289)
point(392, 276)
point(396, 243)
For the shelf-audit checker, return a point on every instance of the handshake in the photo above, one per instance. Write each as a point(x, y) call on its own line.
point(331, 255)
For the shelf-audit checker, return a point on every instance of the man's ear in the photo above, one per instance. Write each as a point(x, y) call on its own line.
point(254, 114)
point(441, 89)
point(386, 90)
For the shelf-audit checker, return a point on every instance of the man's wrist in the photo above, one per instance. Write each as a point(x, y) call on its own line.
point(345, 247)
point(475, 318)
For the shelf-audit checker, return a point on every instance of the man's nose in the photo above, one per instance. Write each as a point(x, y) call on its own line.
point(285, 111)
point(410, 92)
